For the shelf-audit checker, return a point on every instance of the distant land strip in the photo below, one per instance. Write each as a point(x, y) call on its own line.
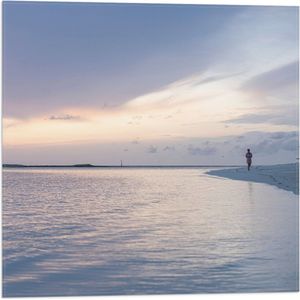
point(114, 166)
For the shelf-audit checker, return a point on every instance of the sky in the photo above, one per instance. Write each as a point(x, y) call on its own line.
point(149, 84)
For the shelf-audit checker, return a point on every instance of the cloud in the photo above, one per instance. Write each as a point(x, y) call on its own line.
point(214, 78)
point(267, 148)
point(291, 145)
point(270, 143)
point(135, 142)
point(169, 148)
point(208, 150)
point(248, 37)
point(250, 118)
point(152, 149)
point(10, 122)
point(277, 82)
point(281, 135)
point(240, 137)
point(138, 117)
point(66, 117)
point(284, 117)
point(183, 91)
point(265, 144)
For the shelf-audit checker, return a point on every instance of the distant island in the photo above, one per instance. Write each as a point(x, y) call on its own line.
point(47, 166)
point(113, 166)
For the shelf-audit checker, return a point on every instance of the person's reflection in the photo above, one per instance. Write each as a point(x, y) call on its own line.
point(250, 192)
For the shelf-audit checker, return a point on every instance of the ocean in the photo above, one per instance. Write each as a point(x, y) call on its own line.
point(134, 231)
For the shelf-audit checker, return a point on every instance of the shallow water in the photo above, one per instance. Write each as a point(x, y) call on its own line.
point(145, 231)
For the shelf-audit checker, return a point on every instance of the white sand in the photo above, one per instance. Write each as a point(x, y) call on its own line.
point(283, 176)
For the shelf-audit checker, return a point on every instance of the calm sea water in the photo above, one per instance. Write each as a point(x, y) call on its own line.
point(145, 231)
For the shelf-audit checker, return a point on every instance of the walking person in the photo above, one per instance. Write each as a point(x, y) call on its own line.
point(249, 158)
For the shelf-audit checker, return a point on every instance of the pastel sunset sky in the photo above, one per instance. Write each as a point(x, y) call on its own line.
point(149, 84)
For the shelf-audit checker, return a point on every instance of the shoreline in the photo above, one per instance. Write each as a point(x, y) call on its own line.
point(284, 176)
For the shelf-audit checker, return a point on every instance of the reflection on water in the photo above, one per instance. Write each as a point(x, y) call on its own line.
point(250, 186)
point(250, 192)
point(145, 231)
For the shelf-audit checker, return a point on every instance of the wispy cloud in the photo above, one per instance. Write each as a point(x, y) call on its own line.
point(152, 149)
point(169, 148)
point(274, 81)
point(282, 135)
point(215, 78)
point(182, 91)
point(66, 117)
point(138, 117)
point(136, 141)
point(269, 146)
point(207, 150)
point(275, 118)
point(268, 143)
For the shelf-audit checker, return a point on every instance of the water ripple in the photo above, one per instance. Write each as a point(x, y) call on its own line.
point(145, 231)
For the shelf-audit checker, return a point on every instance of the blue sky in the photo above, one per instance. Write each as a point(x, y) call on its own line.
point(185, 78)
point(52, 48)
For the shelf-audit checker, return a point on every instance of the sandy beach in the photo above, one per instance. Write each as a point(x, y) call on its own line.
point(283, 176)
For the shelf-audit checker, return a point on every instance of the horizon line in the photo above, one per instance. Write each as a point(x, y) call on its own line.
point(4, 165)
point(112, 165)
